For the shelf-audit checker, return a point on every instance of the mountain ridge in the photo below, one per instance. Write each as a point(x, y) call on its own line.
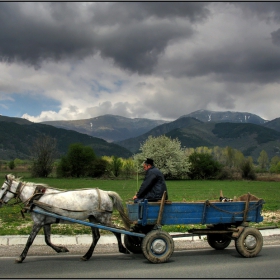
point(193, 130)
point(226, 116)
point(109, 127)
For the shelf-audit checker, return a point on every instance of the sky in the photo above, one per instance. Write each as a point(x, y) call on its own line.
point(155, 60)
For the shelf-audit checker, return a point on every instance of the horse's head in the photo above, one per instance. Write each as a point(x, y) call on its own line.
point(8, 189)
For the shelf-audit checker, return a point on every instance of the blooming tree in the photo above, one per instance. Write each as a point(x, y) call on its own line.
point(167, 154)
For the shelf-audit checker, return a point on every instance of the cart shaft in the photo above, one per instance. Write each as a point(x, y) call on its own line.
point(89, 224)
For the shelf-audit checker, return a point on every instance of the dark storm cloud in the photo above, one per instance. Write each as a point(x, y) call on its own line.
point(141, 50)
point(33, 39)
point(243, 65)
point(113, 13)
point(275, 35)
point(244, 58)
point(267, 11)
point(119, 31)
point(134, 35)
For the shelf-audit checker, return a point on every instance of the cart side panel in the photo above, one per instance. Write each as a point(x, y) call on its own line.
point(194, 212)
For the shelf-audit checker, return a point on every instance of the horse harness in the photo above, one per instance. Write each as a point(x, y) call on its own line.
point(8, 190)
point(16, 194)
point(99, 203)
point(38, 193)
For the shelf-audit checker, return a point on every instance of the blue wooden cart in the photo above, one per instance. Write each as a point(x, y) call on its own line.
point(225, 221)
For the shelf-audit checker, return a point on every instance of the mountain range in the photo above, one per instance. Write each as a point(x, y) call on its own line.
point(122, 136)
point(18, 135)
point(249, 138)
point(228, 116)
point(109, 127)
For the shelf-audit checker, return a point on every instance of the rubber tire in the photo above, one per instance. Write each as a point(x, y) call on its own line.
point(218, 241)
point(133, 244)
point(148, 240)
point(245, 250)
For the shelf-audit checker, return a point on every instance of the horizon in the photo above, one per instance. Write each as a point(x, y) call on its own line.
point(200, 110)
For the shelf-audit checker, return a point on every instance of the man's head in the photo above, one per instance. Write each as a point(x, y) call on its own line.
point(148, 163)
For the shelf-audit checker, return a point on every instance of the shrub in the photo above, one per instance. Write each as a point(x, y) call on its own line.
point(203, 166)
point(98, 168)
point(78, 161)
point(12, 164)
point(225, 173)
point(247, 170)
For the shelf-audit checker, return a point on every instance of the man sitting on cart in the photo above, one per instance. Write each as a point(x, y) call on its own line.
point(153, 185)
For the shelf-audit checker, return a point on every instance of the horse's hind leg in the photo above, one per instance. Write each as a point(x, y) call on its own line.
point(35, 230)
point(95, 238)
point(122, 249)
point(47, 232)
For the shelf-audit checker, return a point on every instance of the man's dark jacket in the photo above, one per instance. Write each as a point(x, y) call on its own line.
point(153, 185)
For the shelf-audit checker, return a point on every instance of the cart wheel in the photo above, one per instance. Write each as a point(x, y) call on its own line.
point(249, 243)
point(218, 241)
point(157, 246)
point(133, 244)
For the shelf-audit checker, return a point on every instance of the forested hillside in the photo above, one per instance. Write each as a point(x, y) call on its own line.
point(16, 140)
point(249, 138)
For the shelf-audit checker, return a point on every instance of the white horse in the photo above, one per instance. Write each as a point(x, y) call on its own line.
point(92, 204)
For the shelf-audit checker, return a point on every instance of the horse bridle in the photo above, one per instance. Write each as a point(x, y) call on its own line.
point(16, 193)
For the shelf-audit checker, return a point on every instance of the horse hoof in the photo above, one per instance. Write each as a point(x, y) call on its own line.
point(64, 250)
point(124, 251)
point(84, 259)
point(19, 260)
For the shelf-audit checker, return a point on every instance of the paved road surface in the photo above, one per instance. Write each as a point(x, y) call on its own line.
point(197, 263)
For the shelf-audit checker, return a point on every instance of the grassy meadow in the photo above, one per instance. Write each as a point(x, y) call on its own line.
point(11, 221)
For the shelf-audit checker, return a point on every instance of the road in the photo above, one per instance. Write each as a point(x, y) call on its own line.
point(198, 263)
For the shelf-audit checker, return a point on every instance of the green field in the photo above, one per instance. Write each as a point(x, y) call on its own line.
point(11, 221)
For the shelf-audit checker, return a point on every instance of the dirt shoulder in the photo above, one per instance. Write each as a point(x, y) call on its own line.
point(43, 250)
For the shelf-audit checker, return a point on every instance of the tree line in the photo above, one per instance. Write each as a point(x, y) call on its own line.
point(175, 161)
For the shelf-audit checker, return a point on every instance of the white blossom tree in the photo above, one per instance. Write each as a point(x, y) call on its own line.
point(167, 154)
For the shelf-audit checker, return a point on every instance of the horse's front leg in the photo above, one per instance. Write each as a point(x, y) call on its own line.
point(95, 238)
point(47, 233)
point(122, 249)
point(35, 230)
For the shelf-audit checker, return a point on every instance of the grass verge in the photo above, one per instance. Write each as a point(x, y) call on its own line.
point(12, 223)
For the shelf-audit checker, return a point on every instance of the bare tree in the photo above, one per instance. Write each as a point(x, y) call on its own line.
point(263, 160)
point(43, 154)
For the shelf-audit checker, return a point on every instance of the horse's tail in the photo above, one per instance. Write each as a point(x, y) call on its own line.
point(117, 203)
